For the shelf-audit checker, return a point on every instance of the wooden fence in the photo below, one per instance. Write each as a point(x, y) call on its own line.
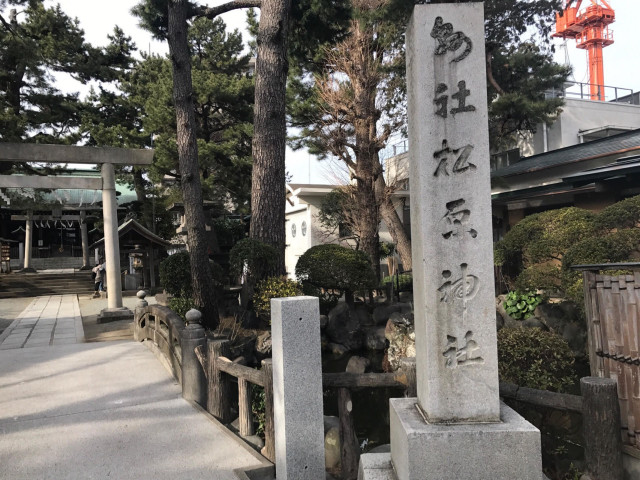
point(612, 304)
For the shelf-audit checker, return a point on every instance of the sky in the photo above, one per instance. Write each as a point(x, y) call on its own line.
point(621, 60)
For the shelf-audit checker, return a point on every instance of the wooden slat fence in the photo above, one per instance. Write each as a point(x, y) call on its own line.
point(611, 304)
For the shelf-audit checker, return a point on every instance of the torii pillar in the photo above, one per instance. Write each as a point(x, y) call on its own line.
point(84, 237)
point(111, 243)
point(28, 240)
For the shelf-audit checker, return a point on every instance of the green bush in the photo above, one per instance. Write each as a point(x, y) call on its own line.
point(404, 279)
point(534, 358)
point(273, 287)
point(520, 306)
point(181, 305)
point(175, 274)
point(258, 257)
point(333, 267)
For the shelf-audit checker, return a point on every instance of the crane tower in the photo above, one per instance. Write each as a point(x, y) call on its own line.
point(590, 29)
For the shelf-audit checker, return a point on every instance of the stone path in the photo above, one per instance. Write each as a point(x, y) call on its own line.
point(72, 410)
point(51, 320)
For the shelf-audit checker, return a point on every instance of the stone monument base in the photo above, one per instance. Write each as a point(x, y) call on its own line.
point(112, 314)
point(484, 451)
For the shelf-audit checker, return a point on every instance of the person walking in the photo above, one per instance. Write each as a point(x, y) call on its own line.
point(97, 279)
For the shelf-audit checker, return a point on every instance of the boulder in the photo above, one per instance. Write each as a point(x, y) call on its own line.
point(263, 343)
point(357, 364)
point(337, 349)
point(374, 338)
point(330, 422)
point(382, 313)
point(324, 320)
point(344, 328)
point(406, 297)
point(332, 448)
point(402, 340)
point(402, 318)
point(363, 315)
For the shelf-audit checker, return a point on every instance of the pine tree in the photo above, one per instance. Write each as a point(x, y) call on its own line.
point(330, 102)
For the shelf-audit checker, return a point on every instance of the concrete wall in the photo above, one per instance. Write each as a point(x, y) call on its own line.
point(578, 115)
point(301, 242)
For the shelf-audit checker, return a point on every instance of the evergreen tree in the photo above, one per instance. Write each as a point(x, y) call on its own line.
point(35, 44)
point(349, 97)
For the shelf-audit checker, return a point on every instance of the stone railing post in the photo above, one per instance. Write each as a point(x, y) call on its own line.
point(140, 305)
point(297, 388)
point(194, 383)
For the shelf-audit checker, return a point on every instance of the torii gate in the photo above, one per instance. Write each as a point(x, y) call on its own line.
point(107, 157)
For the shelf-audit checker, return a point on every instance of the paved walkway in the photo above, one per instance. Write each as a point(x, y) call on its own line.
point(52, 320)
point(100, 410)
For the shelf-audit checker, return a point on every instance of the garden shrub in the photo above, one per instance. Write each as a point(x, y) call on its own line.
point(622, 214)
point(175, 274)
point(520, 305)
point(273, 287)
point(534, 358)
point(181, 305)
point(404, 279)
point(541, 276)
point(333, 267)
point(258, 257)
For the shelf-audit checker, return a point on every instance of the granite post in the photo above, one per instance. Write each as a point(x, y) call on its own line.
point(194, 383)
point(297, 388)
point(456, 427)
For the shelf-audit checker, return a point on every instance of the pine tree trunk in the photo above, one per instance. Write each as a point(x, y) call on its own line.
point(394, 224)
point(203, 288)
point(269, 134)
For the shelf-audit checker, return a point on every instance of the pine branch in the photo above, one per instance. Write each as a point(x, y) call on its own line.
point(212, 12)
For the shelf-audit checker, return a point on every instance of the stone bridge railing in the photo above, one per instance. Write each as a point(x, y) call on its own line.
point(176, 341)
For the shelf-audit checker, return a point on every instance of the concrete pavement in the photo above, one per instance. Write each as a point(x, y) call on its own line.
point(103, 410)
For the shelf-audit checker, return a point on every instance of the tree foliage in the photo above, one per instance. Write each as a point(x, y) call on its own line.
point(36, 43)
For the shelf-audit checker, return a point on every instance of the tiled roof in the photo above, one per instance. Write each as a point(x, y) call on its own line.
point(616, 144)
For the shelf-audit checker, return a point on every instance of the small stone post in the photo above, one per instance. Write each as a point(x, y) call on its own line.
point(297, 388)
point(194, 383)
point(601, 427)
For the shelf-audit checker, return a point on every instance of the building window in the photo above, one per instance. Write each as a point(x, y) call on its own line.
point(303, 228)
point(293, 230)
